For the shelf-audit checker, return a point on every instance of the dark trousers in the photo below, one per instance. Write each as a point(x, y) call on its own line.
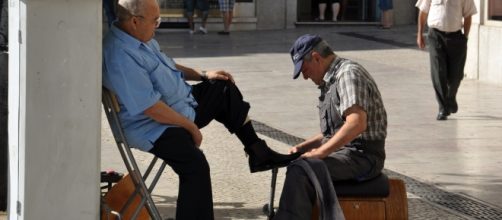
point(447, 56)
point(3, 130)
point(219, 100)
point(308, 181)
point(298, 195)
point(360, 160)
point(4, 30)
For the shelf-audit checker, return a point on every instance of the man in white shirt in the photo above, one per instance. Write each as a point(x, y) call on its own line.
point(447, 46)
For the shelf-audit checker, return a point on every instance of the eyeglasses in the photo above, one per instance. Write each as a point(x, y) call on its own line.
point(157, 21)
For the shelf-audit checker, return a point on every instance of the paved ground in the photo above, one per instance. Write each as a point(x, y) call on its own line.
point(458, 157)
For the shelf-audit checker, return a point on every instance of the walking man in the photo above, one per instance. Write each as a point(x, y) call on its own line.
point(447, 46)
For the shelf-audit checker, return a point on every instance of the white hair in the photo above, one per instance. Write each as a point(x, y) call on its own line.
point(128, 8)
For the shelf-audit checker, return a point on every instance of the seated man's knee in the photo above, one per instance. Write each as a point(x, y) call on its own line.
point(198, 166)
point(296, 172)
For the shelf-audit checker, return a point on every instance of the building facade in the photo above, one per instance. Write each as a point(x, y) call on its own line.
point(484, 54)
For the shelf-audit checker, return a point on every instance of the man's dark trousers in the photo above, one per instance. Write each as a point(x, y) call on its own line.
point(448, 52)
point(3, 104)
point(3, 129)
point(219, 100)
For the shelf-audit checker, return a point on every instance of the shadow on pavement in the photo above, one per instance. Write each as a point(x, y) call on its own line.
point(241, 43)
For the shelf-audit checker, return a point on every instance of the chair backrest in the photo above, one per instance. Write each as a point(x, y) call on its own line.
point(112, 108)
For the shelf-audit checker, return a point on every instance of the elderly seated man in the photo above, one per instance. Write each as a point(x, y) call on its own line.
point(351, 142)
point(162, 114)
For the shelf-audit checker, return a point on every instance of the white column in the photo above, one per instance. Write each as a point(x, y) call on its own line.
point(54, 108)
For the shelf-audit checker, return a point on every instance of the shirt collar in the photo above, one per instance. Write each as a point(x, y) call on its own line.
point(329, 76)
point(125, 37)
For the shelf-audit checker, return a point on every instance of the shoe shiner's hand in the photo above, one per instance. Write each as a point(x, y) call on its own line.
point(317, 153)
point(294, 150)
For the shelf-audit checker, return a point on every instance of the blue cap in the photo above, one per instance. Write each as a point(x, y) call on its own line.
point(300, 48)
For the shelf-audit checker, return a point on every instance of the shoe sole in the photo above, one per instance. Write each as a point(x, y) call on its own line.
point(266, 167)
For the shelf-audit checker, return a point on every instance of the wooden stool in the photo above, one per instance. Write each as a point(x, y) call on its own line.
point(378, 198)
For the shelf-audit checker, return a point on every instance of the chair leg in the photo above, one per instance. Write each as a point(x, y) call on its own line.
point(268, 209)
point(396, 203)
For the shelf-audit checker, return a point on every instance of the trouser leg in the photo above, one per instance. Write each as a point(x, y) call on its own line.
point(220, 100)
point(4, 28)
point(456, 47)
point(439, 68)
point(3, 130)
point(298, 196)
point(178, 150)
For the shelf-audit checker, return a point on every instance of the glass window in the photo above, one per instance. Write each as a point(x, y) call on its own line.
point(495, 10)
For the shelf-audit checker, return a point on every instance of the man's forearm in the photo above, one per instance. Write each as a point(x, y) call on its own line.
point(190, 73)
point(164, 114)
point(355, 124)
point(312, 142)
point(467, 25)
point(422, 19)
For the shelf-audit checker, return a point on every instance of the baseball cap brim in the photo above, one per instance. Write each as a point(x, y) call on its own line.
point(298, 68)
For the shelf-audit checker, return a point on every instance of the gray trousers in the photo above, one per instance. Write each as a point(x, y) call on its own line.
point(447, 56)
point(308, 182)
point(360, 160)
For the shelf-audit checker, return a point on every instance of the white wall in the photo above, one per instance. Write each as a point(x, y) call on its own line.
point(472, 61)
point(484, 56)
point(54, 105)
point(490, 54)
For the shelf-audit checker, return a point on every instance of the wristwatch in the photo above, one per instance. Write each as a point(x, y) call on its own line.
point(203, 75)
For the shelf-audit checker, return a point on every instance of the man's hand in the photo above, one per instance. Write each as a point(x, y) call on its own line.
point(294, 149)
point(196, 136)
point(420, 41)
point(317, 153)
point(422, 19)
point(220, 75)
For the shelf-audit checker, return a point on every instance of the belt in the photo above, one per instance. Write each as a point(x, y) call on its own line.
point(374, 147)
point(446, 32)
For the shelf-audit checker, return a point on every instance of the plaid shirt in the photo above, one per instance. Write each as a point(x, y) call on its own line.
point(353, 85)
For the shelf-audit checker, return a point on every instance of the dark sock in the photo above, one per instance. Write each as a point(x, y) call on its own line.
point(247, 134)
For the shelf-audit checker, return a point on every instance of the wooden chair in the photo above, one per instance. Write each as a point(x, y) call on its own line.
point(139, 197)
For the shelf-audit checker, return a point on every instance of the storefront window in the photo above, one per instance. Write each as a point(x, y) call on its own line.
point(495, 10)
point(173, 6)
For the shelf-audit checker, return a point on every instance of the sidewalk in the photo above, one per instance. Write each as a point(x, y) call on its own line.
point(458, 157)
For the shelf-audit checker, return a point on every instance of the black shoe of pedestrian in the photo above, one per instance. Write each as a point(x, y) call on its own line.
point(442, 116)
point(262, 158)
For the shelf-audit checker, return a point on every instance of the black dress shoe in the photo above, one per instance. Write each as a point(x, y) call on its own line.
point(442, 116)
point(262, 158)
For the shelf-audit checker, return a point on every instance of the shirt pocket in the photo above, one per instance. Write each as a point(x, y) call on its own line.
point(323, 119)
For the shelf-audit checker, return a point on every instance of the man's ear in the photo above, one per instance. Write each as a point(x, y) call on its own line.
point(316, 56)
point(134, 22)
